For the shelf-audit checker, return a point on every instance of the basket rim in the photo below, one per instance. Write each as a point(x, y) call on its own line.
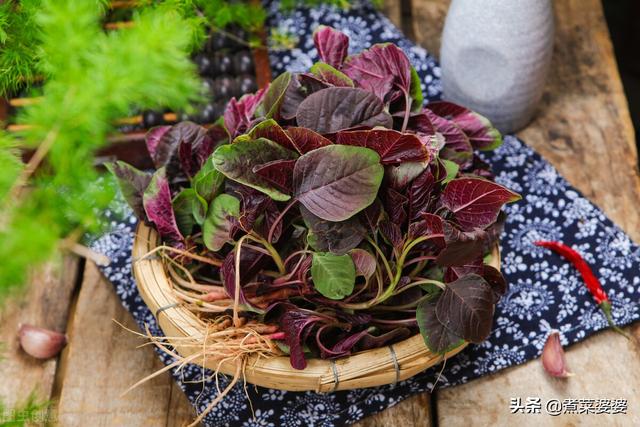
point(379, 366)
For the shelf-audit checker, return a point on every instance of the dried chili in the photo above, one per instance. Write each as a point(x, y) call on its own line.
point(591, 281)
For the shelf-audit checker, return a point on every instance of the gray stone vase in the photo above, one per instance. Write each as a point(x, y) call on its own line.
point(495, 55)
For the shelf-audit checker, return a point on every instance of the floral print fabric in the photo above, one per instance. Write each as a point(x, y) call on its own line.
point(545, 293)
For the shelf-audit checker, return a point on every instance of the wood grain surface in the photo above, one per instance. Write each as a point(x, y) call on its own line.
point(46, 304)
point(103, 360)
point(582, 127)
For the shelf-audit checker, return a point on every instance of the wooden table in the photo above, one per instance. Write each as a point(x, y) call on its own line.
point(583, 128)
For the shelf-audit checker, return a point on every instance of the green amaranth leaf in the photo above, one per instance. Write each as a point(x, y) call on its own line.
point(417, 97)
point(236, 161)
point(330, 75)
point(275, 95)
point(208, 181)
point(271, 130)
point(216, 230)
point(190, 209)
point(452, 169)
point(334, 276)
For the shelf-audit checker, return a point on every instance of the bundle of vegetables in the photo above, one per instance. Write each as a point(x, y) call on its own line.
point(332, 208)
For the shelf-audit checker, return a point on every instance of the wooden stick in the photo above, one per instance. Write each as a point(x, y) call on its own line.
point(134, 120)
point(23, 102)
point(123, 4)
point(118, 25)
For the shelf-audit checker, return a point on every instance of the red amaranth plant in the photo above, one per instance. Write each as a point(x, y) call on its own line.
point(335, 206)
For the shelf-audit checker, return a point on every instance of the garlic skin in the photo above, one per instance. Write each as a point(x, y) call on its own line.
point(41, 343)
point(553, 359)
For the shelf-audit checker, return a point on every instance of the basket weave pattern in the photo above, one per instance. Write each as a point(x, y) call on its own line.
point(385, 365)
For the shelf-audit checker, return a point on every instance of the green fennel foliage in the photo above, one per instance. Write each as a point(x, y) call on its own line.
point(31, 412)
point(19, 50)
point(93, 78)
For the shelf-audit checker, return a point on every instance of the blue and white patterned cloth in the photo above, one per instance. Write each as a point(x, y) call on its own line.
point(545, 293)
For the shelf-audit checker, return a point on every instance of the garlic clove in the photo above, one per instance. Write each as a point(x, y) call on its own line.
point(41, 343)
point(553, 359)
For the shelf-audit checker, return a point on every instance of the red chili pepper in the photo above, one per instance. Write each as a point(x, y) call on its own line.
point(590, 280)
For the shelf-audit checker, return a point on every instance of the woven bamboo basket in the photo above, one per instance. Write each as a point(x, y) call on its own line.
point(370, 368)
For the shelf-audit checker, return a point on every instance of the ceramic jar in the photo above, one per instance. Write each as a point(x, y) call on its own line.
point(495, 55)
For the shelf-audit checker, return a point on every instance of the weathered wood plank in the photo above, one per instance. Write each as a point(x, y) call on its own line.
point(102, 361)
point(414, 411)
point(583, 128)
point(605, 366)
point(428, 21)
point(393, 10)
point(46, 304)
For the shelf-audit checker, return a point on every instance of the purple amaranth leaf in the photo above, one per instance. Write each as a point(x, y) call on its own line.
point(373, 215)
point(428, 225)
point(393, 147)
point(480, 168)
point(169, 140)
point(132, 183)
point(383, 70)
point(451, 274)
point(252, 203)
point(335, 237)
point(337, 108)
point(251, 262)
point(337, 181)
point(466, 308)
point(436, 336)
point(272, 131)
point(228, 274)
point(332, 45)
point(457, 146)
point(238, 115)
point(474, 202)
point(496, 280)
point(271, 215)
point(236, 161)
point(298, 324)
point(392, 234)
point(343, 347)
point(157, 205)
point(481, 133)
point(422, 195)
point(394, 204)
point(461, 247)
point(277, 172)
point(152, 139)
point(305, 140)
point(187, 162)
point(364, 261)
point(182, 149)
point(369, 341)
